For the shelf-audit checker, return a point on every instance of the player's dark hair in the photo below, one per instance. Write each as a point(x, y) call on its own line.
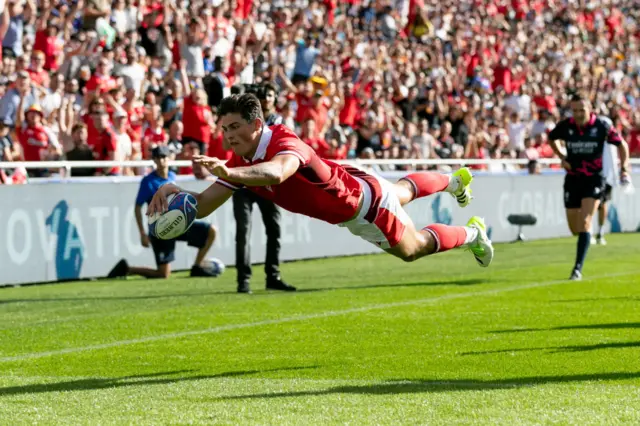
point(579, 97)
point(268, 87)
point(246, 105)
point(77, 127)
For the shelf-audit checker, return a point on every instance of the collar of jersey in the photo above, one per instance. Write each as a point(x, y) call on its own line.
point(265, 138)
point(592, 119)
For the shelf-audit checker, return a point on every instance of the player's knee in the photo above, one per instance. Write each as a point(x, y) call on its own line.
point(585, 226)
point(212, 232)
point(406, 254)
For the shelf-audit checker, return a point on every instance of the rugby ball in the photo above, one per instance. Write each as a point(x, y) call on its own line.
point(180, 215)
point(213, 265)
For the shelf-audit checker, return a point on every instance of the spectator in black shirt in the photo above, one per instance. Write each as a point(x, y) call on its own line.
point(459, 130)
point(6, 144)
point(172, 104)
point(409, 105)
point(81, 151)
point(243, 201)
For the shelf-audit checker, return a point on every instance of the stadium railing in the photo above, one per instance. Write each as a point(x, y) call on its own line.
point(69, 165)
point(187, 163)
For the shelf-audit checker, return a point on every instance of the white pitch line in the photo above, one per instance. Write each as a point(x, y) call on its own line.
point(327, 314)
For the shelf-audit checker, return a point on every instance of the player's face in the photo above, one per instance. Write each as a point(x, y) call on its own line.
point(34, 118)
point(81, 135)
point(269, 100)
point(162, 163)
point(581, 111)
point(243, 137)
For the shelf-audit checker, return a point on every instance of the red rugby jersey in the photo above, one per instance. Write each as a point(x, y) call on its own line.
point(319, 188)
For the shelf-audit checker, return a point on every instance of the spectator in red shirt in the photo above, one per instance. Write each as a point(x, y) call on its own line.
point(310, 137)
point(350, 106)
point(335, 148)
point(96, 106)
point(189, 150)
point(217, 146)
point(135, 109)
point(106, 146)
point(154, 135)
point(38, 74)
point(318, 111)
point(101, 81)
point(634, 137)
point(35, 138)
point(196, 116)
point(502, 76)
point(47, 40)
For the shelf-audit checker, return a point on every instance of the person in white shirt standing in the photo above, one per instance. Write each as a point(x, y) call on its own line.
point(125, 149)
point(609, 167)
point(517, 131)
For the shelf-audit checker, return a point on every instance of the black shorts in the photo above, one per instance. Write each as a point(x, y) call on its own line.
point(606, 194)
point(165, 250)
point(576, 189)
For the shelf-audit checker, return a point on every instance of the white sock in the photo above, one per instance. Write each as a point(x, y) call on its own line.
point(472, 234)
point(454, 184)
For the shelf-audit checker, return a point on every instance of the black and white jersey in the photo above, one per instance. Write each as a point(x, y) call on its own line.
point(273, 119)
point(585, 145)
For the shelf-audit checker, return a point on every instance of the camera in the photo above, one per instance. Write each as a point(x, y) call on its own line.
point(257, 89)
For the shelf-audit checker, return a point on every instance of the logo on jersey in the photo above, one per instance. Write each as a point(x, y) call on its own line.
point(570, 132)
point(594, 132)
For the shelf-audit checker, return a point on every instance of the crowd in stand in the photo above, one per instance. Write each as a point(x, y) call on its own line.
point(390, 79)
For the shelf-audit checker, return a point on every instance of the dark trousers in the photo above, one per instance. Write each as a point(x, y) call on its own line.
point(243, 200)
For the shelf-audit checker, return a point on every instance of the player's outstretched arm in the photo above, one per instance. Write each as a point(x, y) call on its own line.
point(208, 200)
point(211, 198)
point(272, 172)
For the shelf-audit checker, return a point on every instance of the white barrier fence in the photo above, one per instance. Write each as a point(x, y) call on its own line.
point(80, 230)
point(185, 163)
point(68, 165)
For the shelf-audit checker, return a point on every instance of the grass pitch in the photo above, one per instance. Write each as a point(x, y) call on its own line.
point(367, 340)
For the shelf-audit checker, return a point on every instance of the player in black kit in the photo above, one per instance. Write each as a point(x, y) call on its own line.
point(585, 135)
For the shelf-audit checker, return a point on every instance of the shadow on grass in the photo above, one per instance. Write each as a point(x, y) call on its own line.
point(128, 381)
point(99, 298)
point(611, 326)
point(461, 282)
point(559, 349)
point(596, 299)
point(395, 387)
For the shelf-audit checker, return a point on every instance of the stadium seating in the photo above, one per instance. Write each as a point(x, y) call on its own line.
point(403, 79)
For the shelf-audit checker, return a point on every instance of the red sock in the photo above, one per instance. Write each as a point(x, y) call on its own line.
point(447, 237)
point(427, 183)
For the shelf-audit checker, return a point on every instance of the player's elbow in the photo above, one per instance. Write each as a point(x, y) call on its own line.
point(623, 146)
point(275, 176)
point(277, 179)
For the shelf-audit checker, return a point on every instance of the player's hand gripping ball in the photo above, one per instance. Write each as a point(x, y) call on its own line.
point(178, 218)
